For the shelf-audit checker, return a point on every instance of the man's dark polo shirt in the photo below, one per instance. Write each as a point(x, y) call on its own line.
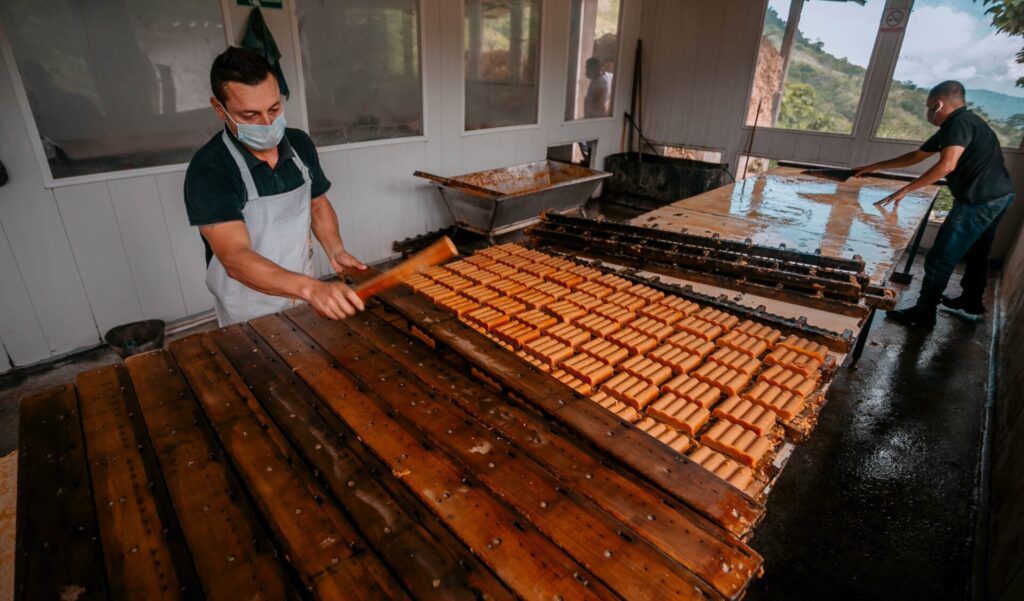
point(980, 174)
point(215, 192)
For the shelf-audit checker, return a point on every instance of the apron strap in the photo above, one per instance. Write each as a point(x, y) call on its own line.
point(250, 185)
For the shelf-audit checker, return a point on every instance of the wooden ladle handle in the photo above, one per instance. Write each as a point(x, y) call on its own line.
point(438, 252)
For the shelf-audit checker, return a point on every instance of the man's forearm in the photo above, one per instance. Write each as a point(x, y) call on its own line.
point(904, 160)
point(325, 226)
point(259, 273)
point(934, 174)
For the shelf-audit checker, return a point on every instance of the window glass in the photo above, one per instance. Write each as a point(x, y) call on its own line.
point(815, 82)
point(116, 84)
point(955, 40)
point(593, 53)
point(361, 68)
point(502, 43)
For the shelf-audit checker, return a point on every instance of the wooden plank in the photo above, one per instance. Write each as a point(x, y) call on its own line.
point(583, 530)
point(434, 563)
point(326, 551)
point(233, 554)
point(143, 550)
point(522, 557)
point(57, 551)
point(674, 528)
point(674, 473)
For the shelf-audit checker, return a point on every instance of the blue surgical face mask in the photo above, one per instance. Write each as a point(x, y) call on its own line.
point(260, 137)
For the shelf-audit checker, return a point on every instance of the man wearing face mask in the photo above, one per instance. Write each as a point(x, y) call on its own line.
point(971, 160)
point(258, 196)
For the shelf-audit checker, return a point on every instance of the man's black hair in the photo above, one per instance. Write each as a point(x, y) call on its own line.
point(242, 65)
point(950, 90)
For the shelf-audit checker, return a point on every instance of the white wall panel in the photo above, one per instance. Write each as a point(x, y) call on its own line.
point(20, 331)
point(95, 239)
point(186, 244)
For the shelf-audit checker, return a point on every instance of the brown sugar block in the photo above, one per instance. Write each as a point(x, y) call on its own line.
point(564, 310)
point(526, 279)
point(597, 325)
point(509, 248)
point(417, 281)
point(751, 416)
point(583, 300)
point(460, 267)
point(553, 290)
point(637, 343)
point(653, 328)
point(687, 308)
point(700, 328)
point(595, 289)
point(506, 287)
point(616, 313)
point(752, 328)
point(804, 346)
point(559, 263)
point(647, 370)
point(630, 390)
point(533, 299)
point(737, 442)
point(726, 379)
point(535, 255)
point(573, 382)
point(501, 270)
point(454, 282)
point(587, 273)
point(659, 312)
point(548, 350)
point(790, 381)
point(793, 360)
point(459, 305)
point(675, 358)
point(536, 319)
point(588, 368)
point(617, 407)
point(569, 334)
point(725, 320)
point(678, 412)
point(734, 359)
point(744, 343)
point(647, 293)
point(785, 404)
point(516, 333)
point(693, 390)
point(566, 279)
point(613, 281)
point(435, 272)
point(723, 467)
point(544, 367)
point(436, 292)
point(695, 345)
point(479, 293)
point(605, 351)
point(479, 260)
point(483, 277)
point(628, 301)
point(487, 318)
point(538, 269)
point(666, 434)
point(514, 261)
point(506, 305)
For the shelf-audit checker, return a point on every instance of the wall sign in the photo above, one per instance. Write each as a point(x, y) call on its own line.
point(894, 20)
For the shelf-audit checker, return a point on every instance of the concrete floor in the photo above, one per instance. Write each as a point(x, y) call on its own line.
point(880, 503)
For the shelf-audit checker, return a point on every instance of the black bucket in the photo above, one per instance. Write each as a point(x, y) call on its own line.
point(137, 337)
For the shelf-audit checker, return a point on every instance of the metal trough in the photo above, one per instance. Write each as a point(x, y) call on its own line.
point(502, 200)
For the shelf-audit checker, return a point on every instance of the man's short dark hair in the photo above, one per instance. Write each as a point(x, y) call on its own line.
point(241, 65)
point(948, 90)
point(593, 62)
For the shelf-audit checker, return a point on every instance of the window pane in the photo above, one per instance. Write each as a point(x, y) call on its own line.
point(116, 84)
point(361, 66)
point(957, 41)
point(823, 70)
point(593, 53)
point(502, 40)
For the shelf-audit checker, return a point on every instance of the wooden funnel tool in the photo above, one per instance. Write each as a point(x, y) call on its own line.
point(438, 252)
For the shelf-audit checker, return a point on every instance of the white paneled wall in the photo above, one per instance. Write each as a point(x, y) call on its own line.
point(75, 260)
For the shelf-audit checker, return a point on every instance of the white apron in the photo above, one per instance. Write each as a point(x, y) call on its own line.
point(279, 227)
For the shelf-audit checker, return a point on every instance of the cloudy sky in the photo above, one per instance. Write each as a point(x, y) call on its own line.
point(945, 39)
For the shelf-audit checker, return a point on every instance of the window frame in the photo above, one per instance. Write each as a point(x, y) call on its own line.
point(862, 100)
point(618, 63)
point(25, 109)
point(301, 92)
point(540, 78)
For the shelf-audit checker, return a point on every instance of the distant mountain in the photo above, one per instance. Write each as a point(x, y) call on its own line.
point(996, 104)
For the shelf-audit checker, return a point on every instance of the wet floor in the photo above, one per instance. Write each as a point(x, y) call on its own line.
point(881, 502)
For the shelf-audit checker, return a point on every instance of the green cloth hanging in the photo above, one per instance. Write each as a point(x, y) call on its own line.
point(259, 38)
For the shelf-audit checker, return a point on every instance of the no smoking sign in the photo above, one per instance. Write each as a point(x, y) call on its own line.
point(894, 20)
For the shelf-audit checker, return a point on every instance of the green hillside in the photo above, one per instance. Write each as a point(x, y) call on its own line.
point(821, 94)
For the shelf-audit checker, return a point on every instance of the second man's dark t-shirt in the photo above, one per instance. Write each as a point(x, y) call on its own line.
point(215, 192)
point(980, 174)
